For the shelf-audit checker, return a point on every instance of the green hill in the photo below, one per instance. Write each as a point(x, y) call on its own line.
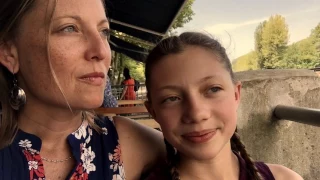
point(245, 62)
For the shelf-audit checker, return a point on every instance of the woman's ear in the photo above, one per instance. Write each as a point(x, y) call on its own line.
point(9, 56)
point(150, 109)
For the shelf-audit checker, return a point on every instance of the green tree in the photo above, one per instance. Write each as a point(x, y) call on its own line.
point(305, 53)
point(184, 16)
point(315, 38)
point(301, 55)
point(274, 39)
point(258, 45)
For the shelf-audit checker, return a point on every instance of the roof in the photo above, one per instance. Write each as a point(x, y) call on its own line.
point(148, 20)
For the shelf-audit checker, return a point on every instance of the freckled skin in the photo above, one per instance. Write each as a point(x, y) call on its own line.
point(70, 55)
point(72, 52)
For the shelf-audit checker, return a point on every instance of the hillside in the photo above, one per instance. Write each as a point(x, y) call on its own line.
point(297, 55)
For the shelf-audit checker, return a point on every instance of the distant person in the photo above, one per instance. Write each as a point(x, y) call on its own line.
point(128, 92)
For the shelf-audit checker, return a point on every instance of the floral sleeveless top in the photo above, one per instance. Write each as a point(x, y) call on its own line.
point(97, 155)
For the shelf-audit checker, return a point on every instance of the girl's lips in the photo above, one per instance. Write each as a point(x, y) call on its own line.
point(199, 136)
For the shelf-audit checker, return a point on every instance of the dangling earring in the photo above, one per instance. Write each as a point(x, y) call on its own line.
point(17, 95)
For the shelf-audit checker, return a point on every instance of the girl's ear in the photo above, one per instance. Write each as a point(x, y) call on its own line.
point(150, 109)
point(237, 90)
point(9, 56)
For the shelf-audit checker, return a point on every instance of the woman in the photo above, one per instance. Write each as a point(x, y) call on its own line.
point(128, 90)
point(54, 56)
point(194, 97)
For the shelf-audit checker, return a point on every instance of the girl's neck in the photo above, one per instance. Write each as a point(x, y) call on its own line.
point(224, 165)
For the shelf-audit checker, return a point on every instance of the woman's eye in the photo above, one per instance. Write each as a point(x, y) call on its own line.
point(106, 33)
point(69, 29)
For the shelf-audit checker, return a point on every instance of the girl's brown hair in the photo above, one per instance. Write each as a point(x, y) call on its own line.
point(176, 45)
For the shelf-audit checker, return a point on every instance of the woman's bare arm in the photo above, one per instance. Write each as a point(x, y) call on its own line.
point(142, 147)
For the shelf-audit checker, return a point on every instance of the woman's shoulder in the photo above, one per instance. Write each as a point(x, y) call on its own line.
point(142, 147)
point(283, 173)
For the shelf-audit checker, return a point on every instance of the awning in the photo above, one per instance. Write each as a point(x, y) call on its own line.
point(135, 52)
point(148, 20)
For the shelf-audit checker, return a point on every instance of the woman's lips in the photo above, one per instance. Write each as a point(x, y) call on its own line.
point(95, 78)
point(199, 136)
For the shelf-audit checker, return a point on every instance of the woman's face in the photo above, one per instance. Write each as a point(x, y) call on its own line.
point(195, 101)
point(78, 51)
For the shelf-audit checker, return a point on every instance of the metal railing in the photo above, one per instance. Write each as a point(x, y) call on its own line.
point(303, 115)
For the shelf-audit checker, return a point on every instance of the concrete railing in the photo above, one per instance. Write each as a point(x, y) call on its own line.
point(292, 144)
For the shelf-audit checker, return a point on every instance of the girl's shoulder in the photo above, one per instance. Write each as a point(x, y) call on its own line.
point(283, 173)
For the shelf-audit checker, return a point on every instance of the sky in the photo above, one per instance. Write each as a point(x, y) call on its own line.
point(233, 22)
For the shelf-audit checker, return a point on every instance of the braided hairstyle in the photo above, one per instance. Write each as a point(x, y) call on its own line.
point(238, 147)
point(176, 45)
point(172, 161)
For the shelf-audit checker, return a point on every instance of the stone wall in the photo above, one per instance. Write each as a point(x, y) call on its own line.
point(291, 144)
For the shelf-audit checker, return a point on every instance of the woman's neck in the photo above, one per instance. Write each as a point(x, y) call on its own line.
point(52, 127)
point(224, 166)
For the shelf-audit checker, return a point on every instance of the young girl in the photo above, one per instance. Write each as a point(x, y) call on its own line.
point(193, 95)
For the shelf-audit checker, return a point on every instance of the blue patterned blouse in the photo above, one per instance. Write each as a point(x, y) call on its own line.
point(98, 156)
point(109, 100)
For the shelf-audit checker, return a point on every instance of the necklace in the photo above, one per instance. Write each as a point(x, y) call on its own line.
point(56, 161)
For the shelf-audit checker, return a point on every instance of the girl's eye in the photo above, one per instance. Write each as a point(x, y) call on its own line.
point(69, 29)
point(170, 99)
point(214, 89)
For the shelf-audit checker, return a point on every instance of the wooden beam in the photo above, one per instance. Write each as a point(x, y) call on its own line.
point(125, 102)
point(121, 110)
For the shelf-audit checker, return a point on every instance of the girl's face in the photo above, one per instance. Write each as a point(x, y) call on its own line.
point(195, 101)
point(78, 51)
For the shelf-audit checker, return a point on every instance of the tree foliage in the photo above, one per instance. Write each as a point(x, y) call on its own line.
point(302, 54)
point(271, 39)
point(246, 62)
point(315, 38)
point(184, 16)
point(272, 51)
point(258, 44)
